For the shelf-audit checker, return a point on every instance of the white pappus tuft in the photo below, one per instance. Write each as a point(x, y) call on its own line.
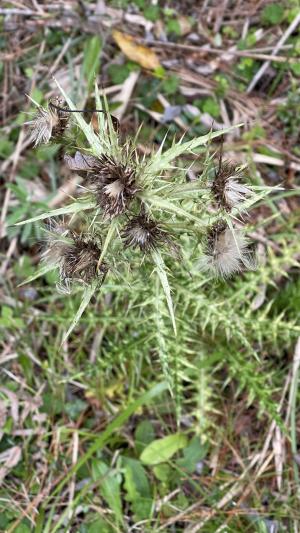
point(47, 123)
point(227, 189)
point(235, 192)
point(226, 252)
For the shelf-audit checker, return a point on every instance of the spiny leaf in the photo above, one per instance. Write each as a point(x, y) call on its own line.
point(87, 129)
point(111, 231)
point(161, 338)
point(171, 208)
point(40, 272)
point(88, 293)
point(161, 271)
point(101, 117)
point(75, 207)
point(160, 162)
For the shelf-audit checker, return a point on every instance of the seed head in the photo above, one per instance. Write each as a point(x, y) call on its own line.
point(48, 123)
point(75, 255)
point(144, 233)
point(113, 183)
point(80, 259)
point(226, 252)
point(227, 189)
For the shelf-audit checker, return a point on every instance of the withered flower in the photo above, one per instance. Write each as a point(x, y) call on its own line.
point(76, 256)
point(226, 252)
point(114, 183)
point(144, 233)
point(226, 187)
point(48, 123)
point(80, 260)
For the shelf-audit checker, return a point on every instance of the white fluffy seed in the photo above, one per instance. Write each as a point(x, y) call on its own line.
point(235, 192)
point(114, 189)
point(228, 254)
point(42, 126)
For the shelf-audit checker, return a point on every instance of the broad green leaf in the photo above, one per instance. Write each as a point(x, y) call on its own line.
point(139, 484)
point(161, 450)
point(88, 293)
point(144, 434)
point(75, 207)
point(192, 454)
point(163, 472)
point(99, 525)
point(161, 271)
point(22, 528)
point(137, 488)
point(109, 487)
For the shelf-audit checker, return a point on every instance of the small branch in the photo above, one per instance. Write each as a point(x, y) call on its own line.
point(281, 41)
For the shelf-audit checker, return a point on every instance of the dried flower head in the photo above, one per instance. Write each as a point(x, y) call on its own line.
point(48, 123)
point(113, 183)
point(144, 233)
point(226, 188)
point(76, 256)
point(80, 260)
point(226, 252)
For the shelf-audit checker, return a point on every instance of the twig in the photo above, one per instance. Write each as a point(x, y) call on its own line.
point(292, 407)
point(73, 479)
point(281, 41)
point(125, 94)
point(64, 192)
point(207, 50)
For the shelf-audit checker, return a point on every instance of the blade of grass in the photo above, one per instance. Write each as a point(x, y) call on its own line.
point(293, 412)
point(91, 62)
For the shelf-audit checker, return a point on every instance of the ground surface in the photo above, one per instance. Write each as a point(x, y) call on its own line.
point(75, 420)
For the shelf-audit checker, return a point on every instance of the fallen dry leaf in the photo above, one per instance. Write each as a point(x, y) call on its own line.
point(14, 403)
point(136, 52)
point(10, 458)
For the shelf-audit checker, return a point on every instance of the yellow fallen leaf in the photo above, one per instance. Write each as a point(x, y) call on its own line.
point(136, 52)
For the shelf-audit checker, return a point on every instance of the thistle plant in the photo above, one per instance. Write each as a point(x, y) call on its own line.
point(136, 217)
